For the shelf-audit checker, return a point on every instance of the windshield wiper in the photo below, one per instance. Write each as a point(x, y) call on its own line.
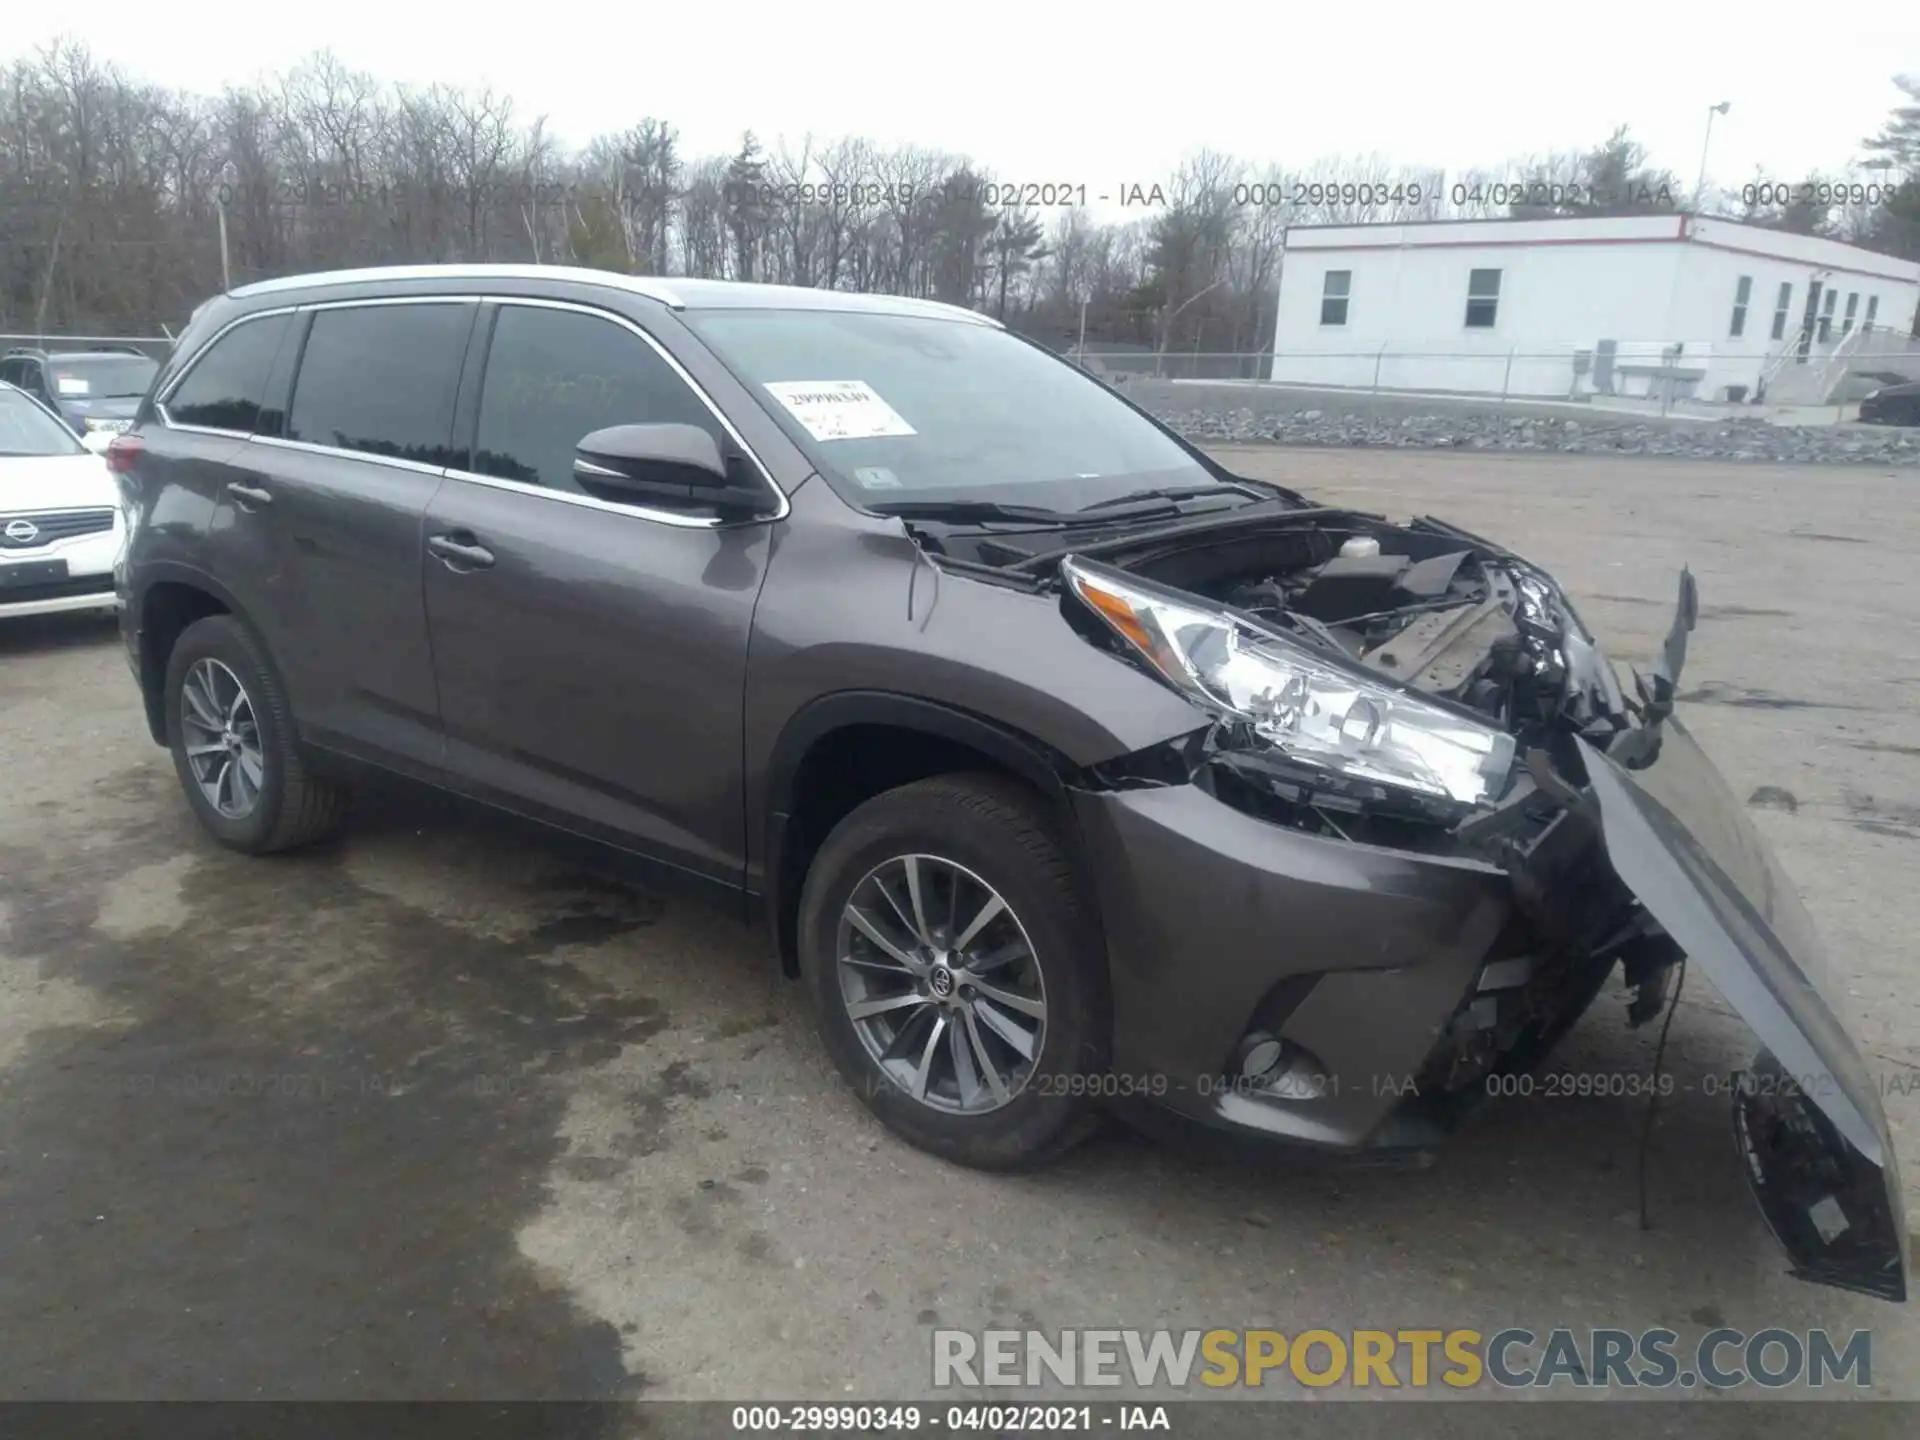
point(1192, 492)
point(965, 510)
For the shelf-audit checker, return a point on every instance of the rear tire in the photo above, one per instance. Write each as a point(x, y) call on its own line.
point(230, 730)
point(975, 844)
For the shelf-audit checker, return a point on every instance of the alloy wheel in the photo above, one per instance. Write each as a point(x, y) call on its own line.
point(942, 984)
point(221, 736)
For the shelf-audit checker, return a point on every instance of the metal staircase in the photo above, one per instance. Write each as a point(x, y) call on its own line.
point(1820, 378)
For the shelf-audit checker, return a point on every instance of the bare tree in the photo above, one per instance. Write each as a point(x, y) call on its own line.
point(112, 192)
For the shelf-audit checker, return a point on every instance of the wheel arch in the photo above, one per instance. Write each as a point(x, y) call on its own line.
point(842, 749)
point(170, 599)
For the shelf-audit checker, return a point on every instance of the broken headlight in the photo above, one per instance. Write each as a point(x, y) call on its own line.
point(1317, 710)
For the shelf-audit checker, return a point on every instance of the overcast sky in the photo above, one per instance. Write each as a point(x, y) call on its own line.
point(1105, 96)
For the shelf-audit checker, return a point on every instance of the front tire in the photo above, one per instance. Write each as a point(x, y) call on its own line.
point(958, 977)
point(234, 747)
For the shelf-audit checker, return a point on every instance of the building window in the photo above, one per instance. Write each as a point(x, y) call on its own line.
point(1742, 293)
point(1873, 309)
point(1780, 309)
point(1334, 291)
point(1483, 298)
point(1853, 307)
point(1826, 316)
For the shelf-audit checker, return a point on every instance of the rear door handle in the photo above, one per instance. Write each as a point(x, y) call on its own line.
point(460, 554)
point(247, 496)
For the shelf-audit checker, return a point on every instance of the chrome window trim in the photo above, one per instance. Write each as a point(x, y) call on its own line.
point(307, 447)
point(214, 431)
point(173, 385)
point(666, 517)
point(545, 492)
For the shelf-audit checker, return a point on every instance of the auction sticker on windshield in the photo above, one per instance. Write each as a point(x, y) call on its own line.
point(839, 409)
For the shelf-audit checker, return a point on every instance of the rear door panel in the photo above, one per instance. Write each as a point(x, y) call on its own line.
point(327, 527)
point(341, 572)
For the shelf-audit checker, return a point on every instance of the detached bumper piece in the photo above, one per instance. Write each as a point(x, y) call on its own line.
point(1812, 1132)
point(1834, 1211)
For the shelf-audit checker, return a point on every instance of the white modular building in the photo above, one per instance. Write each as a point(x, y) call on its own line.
point(1666, 307)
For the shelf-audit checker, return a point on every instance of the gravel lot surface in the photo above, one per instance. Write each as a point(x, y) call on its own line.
point(439, 1110)
point(1242, 414)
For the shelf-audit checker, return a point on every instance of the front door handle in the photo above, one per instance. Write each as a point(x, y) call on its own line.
point(248, 496)
point(460, 554)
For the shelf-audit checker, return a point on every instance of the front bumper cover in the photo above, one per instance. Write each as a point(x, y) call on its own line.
point(1215, 918)
point(1219, 922)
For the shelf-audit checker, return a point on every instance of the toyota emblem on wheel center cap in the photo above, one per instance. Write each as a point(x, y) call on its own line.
point(22, 532)
point(941, 981)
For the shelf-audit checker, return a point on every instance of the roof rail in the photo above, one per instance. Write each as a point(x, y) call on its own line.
point(638, 284)
point(105, 347)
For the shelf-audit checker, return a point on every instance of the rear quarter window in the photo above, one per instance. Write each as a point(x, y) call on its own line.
point(224, 389)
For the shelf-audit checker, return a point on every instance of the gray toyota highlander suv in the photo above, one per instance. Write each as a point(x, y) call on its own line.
point(1066, 768)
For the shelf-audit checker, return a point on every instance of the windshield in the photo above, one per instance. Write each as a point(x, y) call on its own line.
point(898, 408)
point(120, 377)
point(26, 429)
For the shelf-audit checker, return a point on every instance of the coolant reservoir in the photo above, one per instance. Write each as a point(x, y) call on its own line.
point(1360, 546)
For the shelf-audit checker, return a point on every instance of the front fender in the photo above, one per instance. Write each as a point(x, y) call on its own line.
point(852, 607)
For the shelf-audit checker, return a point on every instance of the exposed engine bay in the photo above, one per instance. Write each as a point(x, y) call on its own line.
point(1422, 604)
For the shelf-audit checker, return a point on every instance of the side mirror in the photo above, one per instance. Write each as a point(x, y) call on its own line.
point(672, 466)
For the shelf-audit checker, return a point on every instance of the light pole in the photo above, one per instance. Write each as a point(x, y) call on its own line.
point(1701, 184)
point(220, 196)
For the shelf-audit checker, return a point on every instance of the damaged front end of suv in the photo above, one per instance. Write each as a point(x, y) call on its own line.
point(1423, 826)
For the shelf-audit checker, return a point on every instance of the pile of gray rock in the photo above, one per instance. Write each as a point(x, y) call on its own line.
point(1600, 435)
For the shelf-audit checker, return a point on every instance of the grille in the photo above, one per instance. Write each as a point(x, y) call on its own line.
point(55, 525)
point(56, 590)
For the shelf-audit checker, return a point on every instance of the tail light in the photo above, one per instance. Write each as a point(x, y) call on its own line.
point(124, 453)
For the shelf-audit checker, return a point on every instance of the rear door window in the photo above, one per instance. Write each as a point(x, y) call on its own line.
point(380, 379)
point(223, 389)
point(555, 376)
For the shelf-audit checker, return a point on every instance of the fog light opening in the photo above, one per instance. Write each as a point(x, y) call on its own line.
point(1260, 1057)
point(1265, 1064)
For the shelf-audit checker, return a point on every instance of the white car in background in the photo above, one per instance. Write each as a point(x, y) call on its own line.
point(60, 522)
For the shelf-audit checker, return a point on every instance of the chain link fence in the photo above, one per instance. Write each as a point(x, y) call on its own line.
point(1639, 377)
